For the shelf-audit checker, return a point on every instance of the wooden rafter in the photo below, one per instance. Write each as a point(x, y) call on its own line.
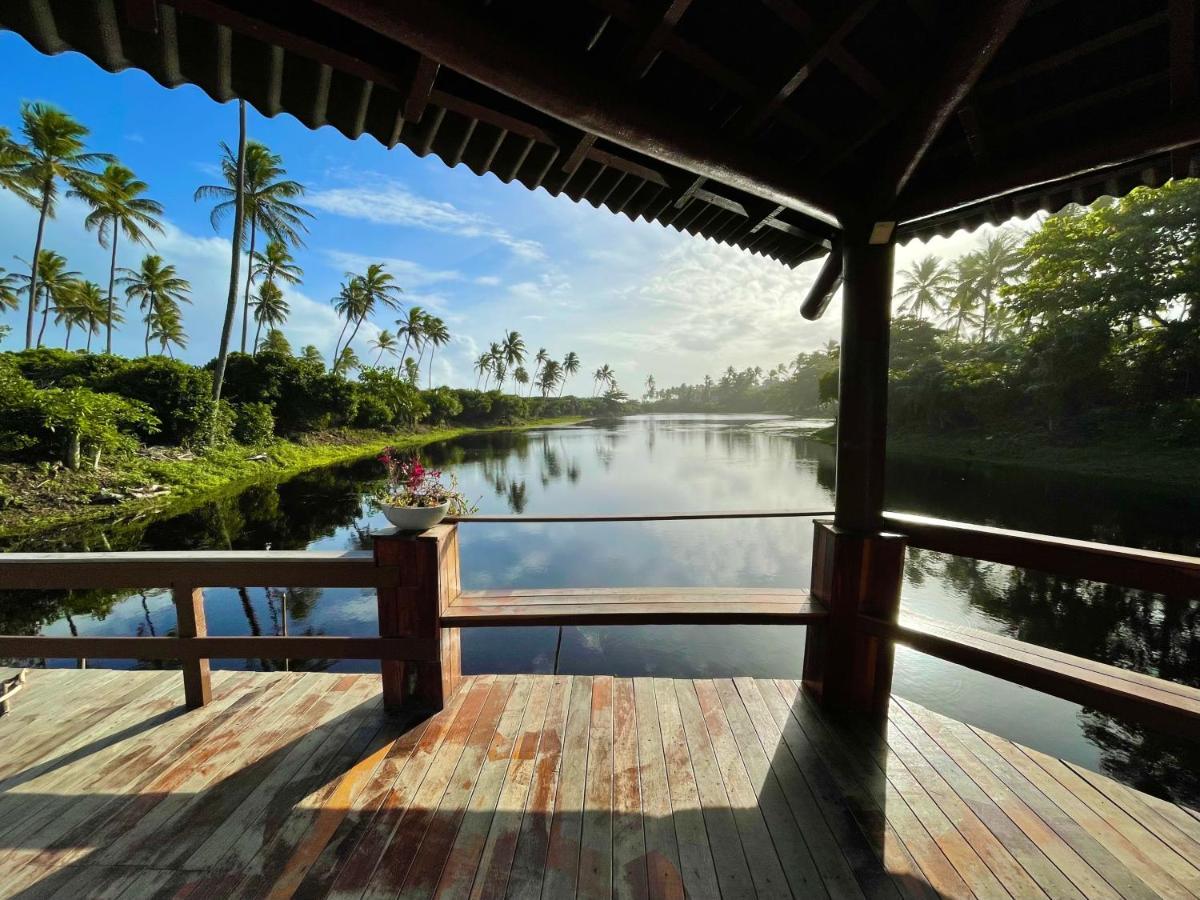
point(938, 99)
point(578, 152)
point(644, 49)
point(420, 86)
point(456, 36)
point(1052, 164)
point(1183, 70)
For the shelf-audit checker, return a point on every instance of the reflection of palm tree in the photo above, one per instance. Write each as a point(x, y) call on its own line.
point(517, 497)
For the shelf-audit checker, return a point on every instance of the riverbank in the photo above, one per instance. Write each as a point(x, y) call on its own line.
point(1130, 458)
point(164, 480)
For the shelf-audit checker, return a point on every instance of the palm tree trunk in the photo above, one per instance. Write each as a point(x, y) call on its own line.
point(33, 268)
point(249, 279)
point(112, 277)
point(403, 354)
point(239, 216)
point(338, 344)
point(67, 342)
point(257, 332)
point(45, 319)
point(146, 341)
point(91, 331)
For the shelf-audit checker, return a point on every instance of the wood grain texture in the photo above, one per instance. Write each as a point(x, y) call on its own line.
point(298, 785)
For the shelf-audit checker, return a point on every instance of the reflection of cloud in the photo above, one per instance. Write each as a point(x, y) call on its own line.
point(386, 202)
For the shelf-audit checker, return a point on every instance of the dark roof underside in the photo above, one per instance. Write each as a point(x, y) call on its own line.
point(825, 89)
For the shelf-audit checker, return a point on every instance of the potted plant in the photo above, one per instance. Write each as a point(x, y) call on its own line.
point(415, 498)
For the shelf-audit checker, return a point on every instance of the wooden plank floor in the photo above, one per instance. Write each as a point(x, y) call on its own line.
point(548, 786)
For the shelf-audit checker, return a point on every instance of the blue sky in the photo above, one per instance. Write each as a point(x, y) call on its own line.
point(485, 256)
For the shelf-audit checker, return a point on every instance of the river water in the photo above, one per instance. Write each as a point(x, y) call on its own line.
point(688, 463)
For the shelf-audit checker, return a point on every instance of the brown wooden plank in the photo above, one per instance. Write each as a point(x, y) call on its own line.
point(1005, 825)
point(778, 857)
point(733, 874)
point(836, 779)
point(364, 816)
point(460, 615)
point(394, 856)
point(629, 858)
point(429, 858)
point(221, 647)
point(660, 818)
point(596, 836)
point(1172, 824)
point(1091, 851)
point(526, 710)
point(561, 875)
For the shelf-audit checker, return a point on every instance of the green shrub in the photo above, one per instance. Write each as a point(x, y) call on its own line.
point(180, 396)
point(1178, 422)
point(372, 412)
point(476, 405)
point(302, 395)
point(51, 367)
point(404, 402)
point(253, 424)
point(508, 409)
point(443, 404)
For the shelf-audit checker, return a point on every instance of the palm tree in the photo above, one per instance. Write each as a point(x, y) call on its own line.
point(12, 165)
point(378, 288)
point(159, 291)
point(93, 309)
point(276, 264)
point(960, 308)
point(412, 329)
point(239, 221)
point(270, 309)
point(9, 298)
point(495, 356)
point(384, 342)
point(520, 376)
point(267, 200)
point(54, 152)
point(514, 349)
point(68, 311)
point(925, 286)
point(988, 269)
point(570, 365)
point(165, 326)
point(482, 365)
point(436, 335)
point(118, 206)
point(552, 373)
point(349, 305)
point(604, 377)
point(540, 360)
point(348, 361)
point(54, 282)
point(652, 387)
point(412, 371)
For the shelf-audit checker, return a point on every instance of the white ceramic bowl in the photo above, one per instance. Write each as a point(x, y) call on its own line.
point(416, 518)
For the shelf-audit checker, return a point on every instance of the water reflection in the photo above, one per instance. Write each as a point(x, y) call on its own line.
point(695, 463)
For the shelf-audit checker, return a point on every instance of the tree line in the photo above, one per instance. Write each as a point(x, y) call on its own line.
point(1086, 326)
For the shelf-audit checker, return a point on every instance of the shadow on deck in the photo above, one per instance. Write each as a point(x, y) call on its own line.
point(299, 785)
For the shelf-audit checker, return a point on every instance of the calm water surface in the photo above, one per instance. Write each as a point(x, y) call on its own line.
point(677, 463)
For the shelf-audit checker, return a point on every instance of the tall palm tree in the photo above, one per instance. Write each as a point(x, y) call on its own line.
point(166, 327)
point(118, 206)
point(276, 264)
point(379, 288)
point(603, 377)
point(925, 286)
point(412, 329)
point(239, 221)
point(267, 202)
point(384, 342)
point(54, 152)
point(436, 335)
point(482, 365)
point(514, 350)
point(69, 313)
point(348, 304)
point(570, 365)
point(158, 290)
point(496, 363)
point(552, 374)
point(961, 308)
point(539, 360)
point(53, 285)
point(520, 376)
point(348, 361)
point(12, 165)
point(93, 309)
point(270, 309)
point(986, 270)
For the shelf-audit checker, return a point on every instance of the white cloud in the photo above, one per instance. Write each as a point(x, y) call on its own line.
point(387, 202)
point(408, 273)
point(488, 280)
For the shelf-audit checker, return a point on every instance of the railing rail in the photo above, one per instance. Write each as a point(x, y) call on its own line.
point(1149, 570)
point(645, 517)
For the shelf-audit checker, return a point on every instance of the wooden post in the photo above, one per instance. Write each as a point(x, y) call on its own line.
point(427, 571)
point(190, 623)
point(856, 567)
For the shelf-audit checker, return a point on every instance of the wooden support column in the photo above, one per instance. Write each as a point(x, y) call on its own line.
point(856, 567)
point(190, 623)
point(427, 582)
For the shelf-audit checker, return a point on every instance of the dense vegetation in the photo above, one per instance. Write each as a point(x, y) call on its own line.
point(1084, 328)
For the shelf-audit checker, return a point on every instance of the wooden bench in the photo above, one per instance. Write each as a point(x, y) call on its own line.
point(1162, 704)
point(633, 606)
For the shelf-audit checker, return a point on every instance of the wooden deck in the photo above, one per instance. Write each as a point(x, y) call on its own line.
point(548, 786)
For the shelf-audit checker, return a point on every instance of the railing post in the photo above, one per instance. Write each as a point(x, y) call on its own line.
point(190, 623)
point(853, 574)
point(426, 582)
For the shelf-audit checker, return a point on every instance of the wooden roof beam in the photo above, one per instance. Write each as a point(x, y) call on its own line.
point(645, 51)
point(970, 52)
point(1050, 165)
point(1182, 14)
point(828, 280)
point(420, 86)
point(456, 36)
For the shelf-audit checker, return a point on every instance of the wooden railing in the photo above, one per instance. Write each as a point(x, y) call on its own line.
point(422, 609)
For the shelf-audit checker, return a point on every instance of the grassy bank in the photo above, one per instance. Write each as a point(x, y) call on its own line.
point(1129, 457)
point(167, 480)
